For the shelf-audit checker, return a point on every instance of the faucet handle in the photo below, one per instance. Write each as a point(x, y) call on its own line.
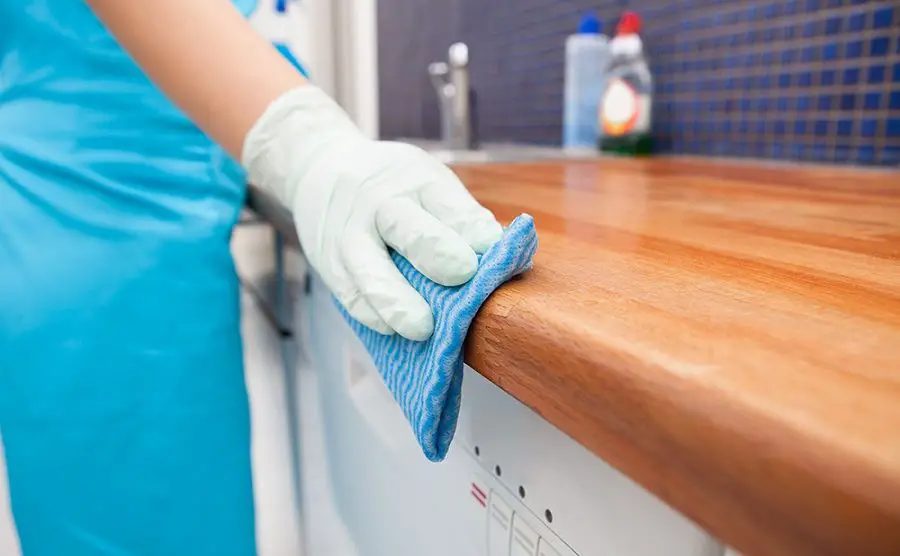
point(439, 72)
point(458, 54)
point(438, 69)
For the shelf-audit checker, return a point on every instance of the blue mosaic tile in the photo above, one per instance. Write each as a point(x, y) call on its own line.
point(868, 128)
point(843, 153)
point(810, 29)
point(894, 102)
point(760, 149)
point(857, 22)
point(851, 76)
point(893, 127)
point(845, 128)
point(820, 152)
point(848, 101)
point(872, 101)
point(875, 74)
point(833, 26)
point(810, 54)
point(854, 49)
point(866, 154)
point(827, 77)
point(891, 156)
point(883, 18)
point(879, 46)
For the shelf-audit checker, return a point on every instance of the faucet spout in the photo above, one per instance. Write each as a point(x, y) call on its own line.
point(451, 83)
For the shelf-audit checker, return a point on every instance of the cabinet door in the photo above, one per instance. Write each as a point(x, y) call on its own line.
point(393, 501)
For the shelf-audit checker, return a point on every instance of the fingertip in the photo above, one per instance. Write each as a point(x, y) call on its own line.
point(411, 318)
point(379, 326)
point(418, 329)
point(487, 232)
point(365, 314)
point(404, 311)
point(387, 292)
point(434, 248)
point(458, 270)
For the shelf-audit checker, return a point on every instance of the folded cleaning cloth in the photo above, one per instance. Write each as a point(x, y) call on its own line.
point(425, 378)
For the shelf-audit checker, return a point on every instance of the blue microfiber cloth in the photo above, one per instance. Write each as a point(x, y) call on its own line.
point(425, 378)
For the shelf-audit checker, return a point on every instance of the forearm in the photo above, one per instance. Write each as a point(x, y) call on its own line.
point(205, 57)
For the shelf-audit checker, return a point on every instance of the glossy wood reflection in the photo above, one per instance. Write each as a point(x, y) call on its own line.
point(725, 334)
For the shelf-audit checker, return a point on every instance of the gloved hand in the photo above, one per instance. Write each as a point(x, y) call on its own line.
point(352, 197)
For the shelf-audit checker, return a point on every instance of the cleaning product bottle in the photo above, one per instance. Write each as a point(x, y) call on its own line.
point(587, 56)
point(625, 107)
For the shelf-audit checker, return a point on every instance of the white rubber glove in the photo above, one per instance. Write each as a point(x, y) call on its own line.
point(351, 197)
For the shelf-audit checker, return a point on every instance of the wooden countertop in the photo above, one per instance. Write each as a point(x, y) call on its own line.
point(727, 335)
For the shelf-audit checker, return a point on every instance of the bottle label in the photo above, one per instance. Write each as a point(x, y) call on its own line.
point(623, 109)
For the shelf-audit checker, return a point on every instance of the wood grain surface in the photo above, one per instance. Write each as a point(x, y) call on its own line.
point(727, 335)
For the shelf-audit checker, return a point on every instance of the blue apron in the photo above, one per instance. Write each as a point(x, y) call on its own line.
point(123, 409)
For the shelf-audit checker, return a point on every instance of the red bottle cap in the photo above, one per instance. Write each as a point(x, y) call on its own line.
point(630, 24)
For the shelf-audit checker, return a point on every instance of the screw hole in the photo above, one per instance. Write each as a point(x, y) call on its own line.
point(498, 471)
point(477, 451)
point(549, 515)
point(521, 491)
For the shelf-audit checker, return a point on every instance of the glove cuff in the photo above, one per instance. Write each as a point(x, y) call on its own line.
point(286, 141)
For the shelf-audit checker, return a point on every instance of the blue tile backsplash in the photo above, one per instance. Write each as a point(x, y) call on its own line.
point(813, 80)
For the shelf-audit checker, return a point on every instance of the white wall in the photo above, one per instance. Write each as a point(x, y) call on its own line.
point(308, 28)
point(356, 45)
point(337, 41)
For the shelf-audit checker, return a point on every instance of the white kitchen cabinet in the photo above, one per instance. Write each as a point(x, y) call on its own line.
point(393, 501)
point(524, 539)
point(499, 526)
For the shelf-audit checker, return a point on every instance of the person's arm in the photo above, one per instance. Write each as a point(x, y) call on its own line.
point(206, 58)
point(351, 197)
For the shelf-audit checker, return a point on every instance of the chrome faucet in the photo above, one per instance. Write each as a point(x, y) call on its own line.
point(451, 82)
